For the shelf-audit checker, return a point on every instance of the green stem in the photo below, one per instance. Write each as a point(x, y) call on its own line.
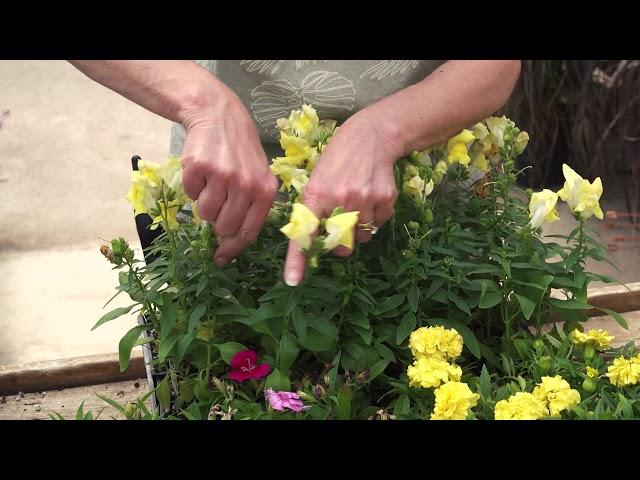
point(146, 302)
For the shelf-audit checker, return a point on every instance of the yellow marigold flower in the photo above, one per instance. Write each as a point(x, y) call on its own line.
point(302, 224)
point(414, 187)
point(542, 208)
point(340, 230)
point(592, 372)
point(439, 171)
point(600, 339)
point(522, 140)
point(429, 372)
point(581, 196)
point(453, 401)
point(521, 406)
point(557, 393)
point(480, 162)
point(436, 341)
point(623, 372)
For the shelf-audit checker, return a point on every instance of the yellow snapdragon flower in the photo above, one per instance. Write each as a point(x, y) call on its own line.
point(581, 196)
point(542, 208)
point(340, 230)
point(302, 224)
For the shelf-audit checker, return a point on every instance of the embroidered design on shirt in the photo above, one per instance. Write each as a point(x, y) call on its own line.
point(388, 68)
point(262, 66)
point(331, 94)
point(300, 64)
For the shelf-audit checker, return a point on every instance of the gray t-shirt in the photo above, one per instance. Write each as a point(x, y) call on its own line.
point(270, 89)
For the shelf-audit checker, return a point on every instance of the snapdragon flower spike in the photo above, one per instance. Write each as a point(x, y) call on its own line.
point(245, 367)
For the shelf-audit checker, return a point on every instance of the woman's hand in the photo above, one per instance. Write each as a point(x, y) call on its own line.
point(226, 170)
point(355, 172)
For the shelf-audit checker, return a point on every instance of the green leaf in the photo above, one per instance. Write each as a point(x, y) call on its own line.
point(166, 346)
point(402, 406)
point(625, 407)
point(163, 393)
point(414, 297)
point(490, 300)
point(391, 303)
point(407, 325)
point(333, 373)
point(359, 319)
point(80, 411)
point(288, 351)
point(112, 315)
point(111, 402)
point(201, 285)
point(616, 316)
point(435, 286)
point(570, 304)
point(378, 367)
point(228, 350)
point(316, 341)
point(195, 316)
point(278, 381)
point(324, 326)
point(300, 323)
point(168, 316)
point(485, 383)
point(183, 344)
point(526, 305)
point(343, 409)
point(460, 303)
point(126, 344)
point(468, 337)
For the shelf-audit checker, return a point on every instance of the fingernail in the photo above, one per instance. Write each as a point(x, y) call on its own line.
point(221, 261)
point(291, 278)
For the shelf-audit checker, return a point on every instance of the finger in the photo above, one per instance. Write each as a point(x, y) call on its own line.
point(364, 218)
point(233, 211)
point(193, 178)
point(295, 263)
point(230, 247)
point(382, 214)
point(210, 201)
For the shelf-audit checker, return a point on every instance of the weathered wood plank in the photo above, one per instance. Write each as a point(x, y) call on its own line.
point(69, 372)
point(38, 405)
point(615, 297)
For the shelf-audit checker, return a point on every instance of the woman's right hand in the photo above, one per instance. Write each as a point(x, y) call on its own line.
point(226, 170)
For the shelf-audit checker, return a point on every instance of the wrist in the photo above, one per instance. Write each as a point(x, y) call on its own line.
point(204, 102)
point(387, 131)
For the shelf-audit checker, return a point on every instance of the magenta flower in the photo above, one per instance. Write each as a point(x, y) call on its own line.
point(244, 366)
point(283, 400)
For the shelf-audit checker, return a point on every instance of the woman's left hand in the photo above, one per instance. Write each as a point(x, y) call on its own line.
point(355, 172)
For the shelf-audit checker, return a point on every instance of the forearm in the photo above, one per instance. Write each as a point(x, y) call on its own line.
point(456, 96)
point(180, 91)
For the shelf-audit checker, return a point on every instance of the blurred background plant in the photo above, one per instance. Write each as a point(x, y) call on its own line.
point(585, 113)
